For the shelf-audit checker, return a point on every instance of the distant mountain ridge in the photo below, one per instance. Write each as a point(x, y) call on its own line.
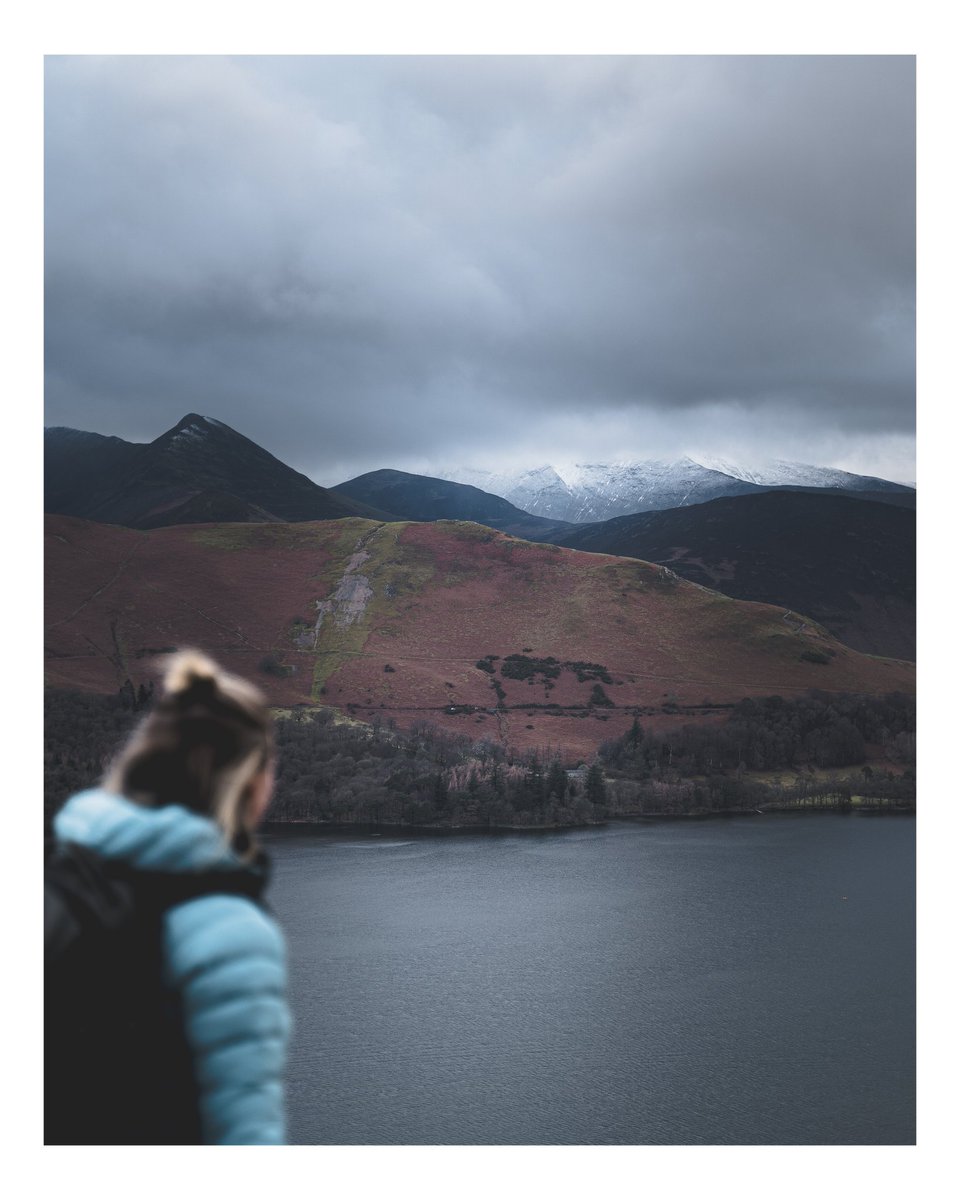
point(76, 463)
point(200, 470)
point(591, 492)
point(843, 559)
point(778, 472)
point(423, 498)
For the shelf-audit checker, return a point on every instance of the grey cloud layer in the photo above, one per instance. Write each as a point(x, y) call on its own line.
point(366, 261)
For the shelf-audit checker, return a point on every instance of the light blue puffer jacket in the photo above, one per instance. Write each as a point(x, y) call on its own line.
point(223, 954)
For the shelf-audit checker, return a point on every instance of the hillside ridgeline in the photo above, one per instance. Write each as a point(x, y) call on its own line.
point(847, 562)
point(529, 645)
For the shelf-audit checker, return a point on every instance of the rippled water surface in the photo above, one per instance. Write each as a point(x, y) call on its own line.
point(742, 981)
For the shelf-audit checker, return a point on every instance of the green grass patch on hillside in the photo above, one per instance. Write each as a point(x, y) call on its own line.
point(469, 531)
point(396, 577)
point(340, 542)
point(280, 535)
point(306, 712)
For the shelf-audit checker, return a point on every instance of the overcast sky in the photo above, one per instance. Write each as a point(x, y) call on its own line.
point(428, 262)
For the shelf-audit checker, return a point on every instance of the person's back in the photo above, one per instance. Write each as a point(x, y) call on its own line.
point(171, 1028)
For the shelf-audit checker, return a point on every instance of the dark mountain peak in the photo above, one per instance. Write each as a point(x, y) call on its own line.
point(199, 470)
point(389, 475)
point(199, 443)
point(194, 425)
point(199, 421)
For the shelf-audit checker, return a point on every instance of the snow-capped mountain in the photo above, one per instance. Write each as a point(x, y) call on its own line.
point(540, 490)
point(776, 472)
point(586, 492)
point(599, 491)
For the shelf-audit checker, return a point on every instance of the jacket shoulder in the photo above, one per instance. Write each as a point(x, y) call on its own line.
point(215, 930)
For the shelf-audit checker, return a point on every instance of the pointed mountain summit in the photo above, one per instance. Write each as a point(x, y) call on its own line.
point(200, 470)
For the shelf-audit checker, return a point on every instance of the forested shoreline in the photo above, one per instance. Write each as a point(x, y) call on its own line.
point(820, 750)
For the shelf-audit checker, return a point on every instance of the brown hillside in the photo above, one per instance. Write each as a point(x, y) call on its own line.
point(392, 619)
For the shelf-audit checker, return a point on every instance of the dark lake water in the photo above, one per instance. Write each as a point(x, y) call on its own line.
point(742, 981)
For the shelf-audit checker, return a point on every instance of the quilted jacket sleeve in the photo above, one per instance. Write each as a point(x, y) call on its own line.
point(226, 958)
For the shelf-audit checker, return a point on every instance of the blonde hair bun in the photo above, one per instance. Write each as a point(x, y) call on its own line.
point(200, 746)
point(186, 669)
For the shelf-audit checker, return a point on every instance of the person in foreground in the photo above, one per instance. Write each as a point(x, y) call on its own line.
point(177, 1031)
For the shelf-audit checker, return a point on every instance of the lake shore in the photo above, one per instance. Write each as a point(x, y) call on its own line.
point(369, 829)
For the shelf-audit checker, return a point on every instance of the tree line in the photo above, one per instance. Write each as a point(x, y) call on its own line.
point(337, 771)
point(706, 767)
point(351, 773)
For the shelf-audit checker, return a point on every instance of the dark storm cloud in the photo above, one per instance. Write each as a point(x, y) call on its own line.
point(362, 262)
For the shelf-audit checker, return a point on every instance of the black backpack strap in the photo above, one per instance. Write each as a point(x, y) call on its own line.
point(160, 890)
point(87, 894)
point(80, 897)
point(167, 890)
